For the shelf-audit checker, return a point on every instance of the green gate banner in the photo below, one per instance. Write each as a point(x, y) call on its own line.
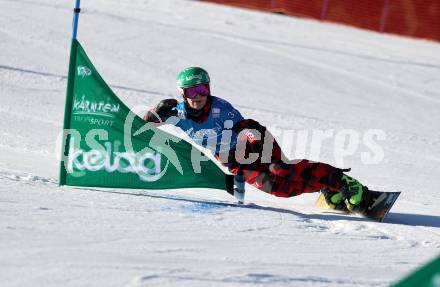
point(426, 276)
point(105, 144)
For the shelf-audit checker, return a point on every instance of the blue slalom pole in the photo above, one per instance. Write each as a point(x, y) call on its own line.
point(239, 187)
point(69, 95)
point(76, 11)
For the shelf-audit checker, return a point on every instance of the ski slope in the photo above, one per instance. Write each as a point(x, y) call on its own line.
point(290, 74)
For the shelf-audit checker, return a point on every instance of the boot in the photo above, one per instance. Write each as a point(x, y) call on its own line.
point(352, 193)
point(334, 200)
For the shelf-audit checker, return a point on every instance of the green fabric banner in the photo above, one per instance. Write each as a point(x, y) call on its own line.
point(107, 145)
point(426, 276)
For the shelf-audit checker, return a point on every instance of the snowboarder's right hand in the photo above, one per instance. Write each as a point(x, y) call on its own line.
point(163, 110)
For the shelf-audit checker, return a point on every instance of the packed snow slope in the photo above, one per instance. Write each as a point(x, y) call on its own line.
point(290, 74)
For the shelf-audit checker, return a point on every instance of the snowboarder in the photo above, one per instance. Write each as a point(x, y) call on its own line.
point(205, 118)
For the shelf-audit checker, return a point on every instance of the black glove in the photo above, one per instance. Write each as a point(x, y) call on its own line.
point(162, 111)
point(253, 144)
point(248, 124)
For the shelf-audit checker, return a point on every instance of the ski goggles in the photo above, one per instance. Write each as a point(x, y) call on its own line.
point(192, 92)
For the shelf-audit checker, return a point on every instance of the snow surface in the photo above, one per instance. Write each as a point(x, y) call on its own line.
point(289, 74)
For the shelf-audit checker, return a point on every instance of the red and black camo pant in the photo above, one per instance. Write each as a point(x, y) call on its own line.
point(291, 178)
point(294, 178)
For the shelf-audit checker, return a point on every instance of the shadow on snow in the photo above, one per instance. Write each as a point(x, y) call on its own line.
point(204, 205)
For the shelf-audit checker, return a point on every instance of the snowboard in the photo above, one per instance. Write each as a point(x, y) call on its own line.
point(376, 204)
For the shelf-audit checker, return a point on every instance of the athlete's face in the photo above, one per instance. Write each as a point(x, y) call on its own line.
point(198, 102)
